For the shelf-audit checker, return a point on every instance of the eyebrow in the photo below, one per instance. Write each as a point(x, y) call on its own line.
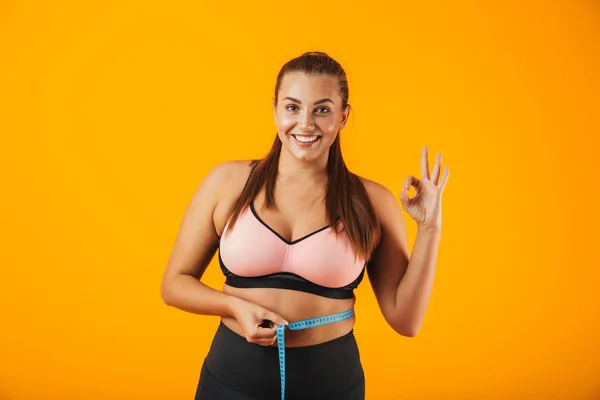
point(315, 103)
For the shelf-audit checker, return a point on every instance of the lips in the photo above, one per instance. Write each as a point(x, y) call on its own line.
point(306, 140)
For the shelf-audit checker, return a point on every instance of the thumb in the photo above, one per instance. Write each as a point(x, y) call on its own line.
point(404, 192)
point(271, 316)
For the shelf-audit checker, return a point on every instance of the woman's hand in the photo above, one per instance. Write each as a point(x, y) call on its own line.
point(426, 206)
point(259, 324)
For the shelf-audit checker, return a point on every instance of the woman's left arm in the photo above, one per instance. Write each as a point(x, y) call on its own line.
point(403, 283)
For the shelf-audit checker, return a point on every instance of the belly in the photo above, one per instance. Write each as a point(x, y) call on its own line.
point(286, 303)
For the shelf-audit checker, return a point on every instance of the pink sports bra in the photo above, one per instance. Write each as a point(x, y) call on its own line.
point(254, 255)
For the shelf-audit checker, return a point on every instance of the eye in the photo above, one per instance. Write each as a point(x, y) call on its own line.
point(291, 107)
point(322, 110)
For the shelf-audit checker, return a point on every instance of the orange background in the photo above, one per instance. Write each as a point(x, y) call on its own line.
point(112, 112)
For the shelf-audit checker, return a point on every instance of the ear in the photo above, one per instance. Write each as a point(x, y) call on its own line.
point(274, 108)
point(345, 116)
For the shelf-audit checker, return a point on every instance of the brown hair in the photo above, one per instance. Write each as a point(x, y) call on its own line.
point(346, 199)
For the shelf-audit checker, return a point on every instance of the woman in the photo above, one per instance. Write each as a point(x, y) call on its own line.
point(295, 233)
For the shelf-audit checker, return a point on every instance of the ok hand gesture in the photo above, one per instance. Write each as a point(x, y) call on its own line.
point(426, 205)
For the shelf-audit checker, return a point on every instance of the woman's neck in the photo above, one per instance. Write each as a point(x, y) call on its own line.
point(290, 168)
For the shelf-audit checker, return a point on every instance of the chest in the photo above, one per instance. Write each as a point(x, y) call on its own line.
point(299, 211)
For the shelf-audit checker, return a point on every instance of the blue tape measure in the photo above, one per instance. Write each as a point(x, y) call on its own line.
point(298, 325)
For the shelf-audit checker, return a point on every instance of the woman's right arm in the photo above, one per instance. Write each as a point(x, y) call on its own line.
point(194, 248)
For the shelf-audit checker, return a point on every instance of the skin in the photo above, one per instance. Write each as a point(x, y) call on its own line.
point(299, 195)
point(401, 282)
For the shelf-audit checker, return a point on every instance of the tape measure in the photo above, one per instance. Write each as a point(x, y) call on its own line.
point(298, 325)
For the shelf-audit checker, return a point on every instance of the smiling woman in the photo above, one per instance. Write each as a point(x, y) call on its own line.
point(313, 122)
point(295, 233)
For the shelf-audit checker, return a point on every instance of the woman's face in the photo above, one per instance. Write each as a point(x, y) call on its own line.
point(308, 114)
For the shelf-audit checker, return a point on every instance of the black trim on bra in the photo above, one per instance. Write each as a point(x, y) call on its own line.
point(291, 281)
point(277, 234)
point(247, 180)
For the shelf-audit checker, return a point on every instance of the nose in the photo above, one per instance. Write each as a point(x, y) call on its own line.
point(306, 121)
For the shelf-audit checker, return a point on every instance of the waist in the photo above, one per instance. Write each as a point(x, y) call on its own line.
point(286, 304)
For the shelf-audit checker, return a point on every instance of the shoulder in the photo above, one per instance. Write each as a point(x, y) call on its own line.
point(223, 180)
point(227, 176)
point(227, 171)
point(380, 196)
point(385, 204)
point(220, 188)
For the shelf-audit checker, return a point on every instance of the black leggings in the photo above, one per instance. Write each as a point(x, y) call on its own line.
point(235, 369)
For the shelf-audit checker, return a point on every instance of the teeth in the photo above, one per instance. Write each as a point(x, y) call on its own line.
point(306, 139)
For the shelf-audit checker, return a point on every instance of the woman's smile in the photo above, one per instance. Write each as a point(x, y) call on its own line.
point(306, 141)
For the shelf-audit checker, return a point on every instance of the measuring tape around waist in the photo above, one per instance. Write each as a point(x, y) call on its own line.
point(298, 325)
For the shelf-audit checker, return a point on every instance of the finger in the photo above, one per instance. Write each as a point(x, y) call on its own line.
point(435, 174)
point(445, 176)
point(267, 341)
point(404, 197)
point(410, 180)
point(424, 163)
point(405, 190)
point(273, 318)
point(264, 333)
